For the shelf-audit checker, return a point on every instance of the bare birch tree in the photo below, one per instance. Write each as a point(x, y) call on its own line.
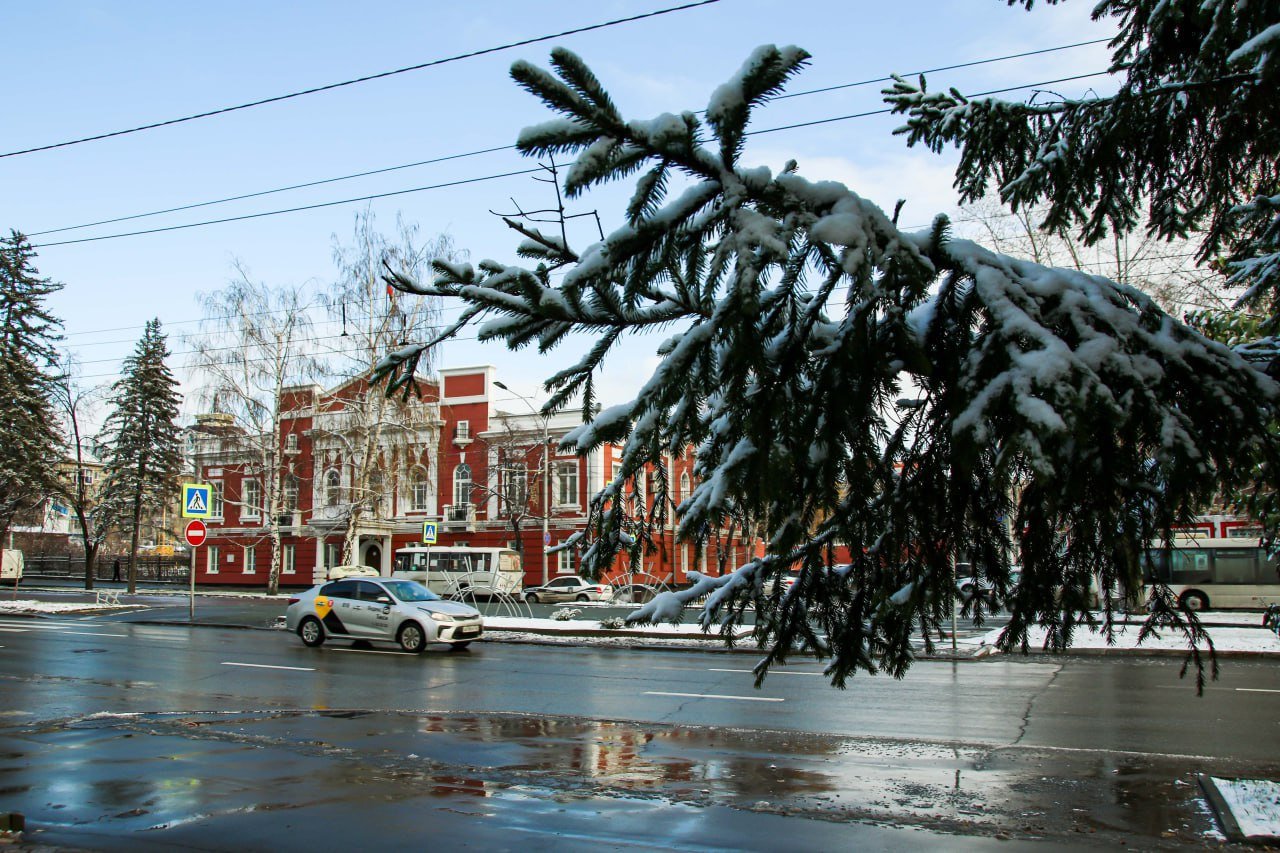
point(76, 403)
point(1166, 270)
point(256, 340)
point(374, 434)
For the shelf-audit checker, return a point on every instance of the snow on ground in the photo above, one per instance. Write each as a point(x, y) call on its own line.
point(1254, 803)
point(621, 640)
point(572, 626)
point(29, 605)
point(1224, 639)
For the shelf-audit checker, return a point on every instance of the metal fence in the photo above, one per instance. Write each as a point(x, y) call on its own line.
point(150, 569)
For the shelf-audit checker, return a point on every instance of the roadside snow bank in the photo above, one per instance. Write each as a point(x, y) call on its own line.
point(578, 626)
point(30, 605)
point(1254, 804)
point(1126, 638)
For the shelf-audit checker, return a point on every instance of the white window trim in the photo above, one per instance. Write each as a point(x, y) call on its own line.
point(217, 509)
point(250, 560)
point(564, 562)
point(463, 499)
point(560, 467)
point(289, 560)
point(335, 490)
point(248, 511)
point(414, 504)
point(211, 559)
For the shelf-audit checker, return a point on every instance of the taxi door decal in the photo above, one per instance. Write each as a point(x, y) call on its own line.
point(328, 616)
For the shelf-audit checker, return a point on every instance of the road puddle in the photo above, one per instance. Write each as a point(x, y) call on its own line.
point(152, 772)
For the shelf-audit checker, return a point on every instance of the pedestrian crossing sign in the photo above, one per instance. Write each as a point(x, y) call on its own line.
point(429, 530)
point(197, 500)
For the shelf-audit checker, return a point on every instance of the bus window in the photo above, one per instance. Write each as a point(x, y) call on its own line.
point(1236, 565)
point(1155, 566)
point(1189, 566)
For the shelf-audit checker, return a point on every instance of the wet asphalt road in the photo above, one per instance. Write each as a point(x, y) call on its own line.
point(126, 736)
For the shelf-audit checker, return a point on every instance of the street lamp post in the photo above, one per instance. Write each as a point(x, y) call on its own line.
point(546, 478)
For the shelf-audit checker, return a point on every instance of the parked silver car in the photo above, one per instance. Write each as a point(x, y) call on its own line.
point(571, 588)
point(382, 611)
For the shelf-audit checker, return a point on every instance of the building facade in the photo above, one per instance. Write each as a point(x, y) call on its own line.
point(452, 456)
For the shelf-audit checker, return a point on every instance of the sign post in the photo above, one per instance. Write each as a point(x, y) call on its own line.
point(197, 503)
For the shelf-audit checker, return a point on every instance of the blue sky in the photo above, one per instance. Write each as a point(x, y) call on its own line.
point(82, 68)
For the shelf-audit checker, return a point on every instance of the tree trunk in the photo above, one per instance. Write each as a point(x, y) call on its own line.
point(133, 547)
point(90, 560)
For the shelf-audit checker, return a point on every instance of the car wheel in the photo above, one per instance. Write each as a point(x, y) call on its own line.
point(411, 638)
point(311, 632)
point(459, 647)
point(1194, 600)
point(531, 598)
point(582, 596)
point(966, 590)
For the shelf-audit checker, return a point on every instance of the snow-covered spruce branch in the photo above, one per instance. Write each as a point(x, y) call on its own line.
point(1059, 405)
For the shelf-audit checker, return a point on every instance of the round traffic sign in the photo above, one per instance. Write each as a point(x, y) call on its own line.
point(196, 533)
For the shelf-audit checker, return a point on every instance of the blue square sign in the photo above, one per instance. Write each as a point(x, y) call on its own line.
point(197, 500)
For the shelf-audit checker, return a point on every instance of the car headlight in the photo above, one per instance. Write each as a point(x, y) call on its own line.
point(440, 617)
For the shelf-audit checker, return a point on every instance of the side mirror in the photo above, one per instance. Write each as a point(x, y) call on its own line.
point(383, 599)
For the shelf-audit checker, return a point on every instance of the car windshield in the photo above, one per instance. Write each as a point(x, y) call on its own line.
point(410, 591)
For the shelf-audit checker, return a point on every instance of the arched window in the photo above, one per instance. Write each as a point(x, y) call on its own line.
point(421, 488)
point(332, 488)
point(462, 485)
point(684, 488)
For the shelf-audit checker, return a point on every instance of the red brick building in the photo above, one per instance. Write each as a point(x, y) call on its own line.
point(453, 457)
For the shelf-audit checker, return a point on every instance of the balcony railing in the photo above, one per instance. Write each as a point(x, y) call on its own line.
point(460, 516)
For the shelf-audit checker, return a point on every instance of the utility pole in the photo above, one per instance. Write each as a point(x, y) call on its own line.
point(546, 478)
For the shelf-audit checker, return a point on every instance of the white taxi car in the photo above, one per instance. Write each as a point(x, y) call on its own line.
point(382, 610)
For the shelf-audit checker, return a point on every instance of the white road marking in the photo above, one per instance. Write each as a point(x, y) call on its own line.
point(714, 696)
point(63, 631)
point(59, 629)
point(1256, 690)
point(373, 652)
point(34, 623)
point(771, 672)
point(269, 666)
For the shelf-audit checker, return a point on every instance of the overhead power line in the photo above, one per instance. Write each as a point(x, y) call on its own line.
point(330, 86)
point(260, 193)
point(445, 158)
point(510, 174)
point(290, 209)
point(887, 110)
point(955, 67)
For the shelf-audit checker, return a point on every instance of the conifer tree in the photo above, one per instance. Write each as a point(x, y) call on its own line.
point(1051, 410)
point(30, 446)
point(1190, 136)
point(144, 449)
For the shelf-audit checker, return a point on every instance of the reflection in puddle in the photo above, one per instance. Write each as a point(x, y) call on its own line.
point(180, 767)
